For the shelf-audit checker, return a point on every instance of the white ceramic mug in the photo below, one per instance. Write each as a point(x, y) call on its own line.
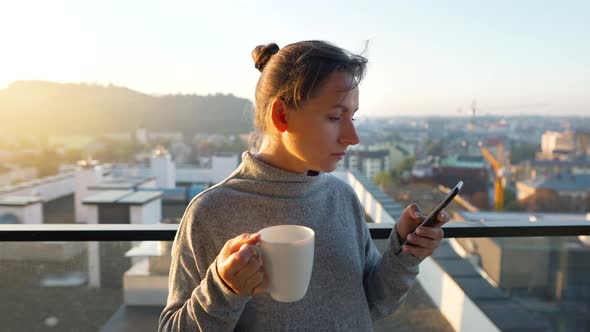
point(287, 255)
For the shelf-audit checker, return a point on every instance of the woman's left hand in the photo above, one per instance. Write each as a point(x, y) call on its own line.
point(424, 240)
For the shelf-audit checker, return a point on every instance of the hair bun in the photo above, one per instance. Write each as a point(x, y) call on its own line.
point(262, 53)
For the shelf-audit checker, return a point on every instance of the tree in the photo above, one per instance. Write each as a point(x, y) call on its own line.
point(384, 180)
point(510, 201)
point(47, 162)
point(72, 155)
point(435, 149)
point(521, 152)
point(405, 166)
point(116, 152)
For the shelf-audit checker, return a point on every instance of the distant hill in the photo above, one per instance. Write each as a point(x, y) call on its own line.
point(47, 108)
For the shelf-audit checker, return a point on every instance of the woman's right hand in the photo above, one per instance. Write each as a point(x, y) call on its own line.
point(240, 266)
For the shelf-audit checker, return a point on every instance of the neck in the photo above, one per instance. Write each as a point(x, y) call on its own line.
point(274, 153)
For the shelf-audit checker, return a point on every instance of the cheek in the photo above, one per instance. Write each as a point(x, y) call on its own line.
point(322, 138)
point(315, 139)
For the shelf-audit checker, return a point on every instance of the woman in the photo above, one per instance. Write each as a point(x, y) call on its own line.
point(306, 98)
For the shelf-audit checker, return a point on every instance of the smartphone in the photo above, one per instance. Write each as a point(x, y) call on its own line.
point(431, 219)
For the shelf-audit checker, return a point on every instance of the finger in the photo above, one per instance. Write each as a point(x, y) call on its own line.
point(236, 261)
point(415, 212)
point(410, 218)
point(263, 287)
point(418, 252)
point(249, 269)
point(256, 251)
point(430, 232)
point(238, 242)
point(413, 215)
point(442, 218)
point(254, 281)
point(234, 244)
point(228, 247)
point(246, 286)
point(423, 242)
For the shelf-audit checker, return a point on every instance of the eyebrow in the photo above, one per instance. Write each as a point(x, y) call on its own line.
point(344, 108)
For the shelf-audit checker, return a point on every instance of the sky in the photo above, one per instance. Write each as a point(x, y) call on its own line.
point(425, 57)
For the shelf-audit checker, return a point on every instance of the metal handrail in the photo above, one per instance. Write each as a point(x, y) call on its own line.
point(166, 232)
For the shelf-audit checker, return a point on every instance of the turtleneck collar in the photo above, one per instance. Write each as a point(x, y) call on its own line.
point(256, 176)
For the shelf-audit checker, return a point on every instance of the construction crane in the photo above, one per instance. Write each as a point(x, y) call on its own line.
point(471, 125)
point(498, 167)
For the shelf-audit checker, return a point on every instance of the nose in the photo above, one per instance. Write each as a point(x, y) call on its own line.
point(348, 135)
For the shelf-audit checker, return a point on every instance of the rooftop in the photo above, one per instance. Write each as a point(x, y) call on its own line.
point(123, 197)
point(19, 200)
point(121, 183)
point(463, 161)
point(532, 217)
point(561, 182)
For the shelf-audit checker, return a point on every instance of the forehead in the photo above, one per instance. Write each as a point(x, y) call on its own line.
point(339, 88)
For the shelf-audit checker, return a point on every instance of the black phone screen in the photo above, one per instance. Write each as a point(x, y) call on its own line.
point(431, 219)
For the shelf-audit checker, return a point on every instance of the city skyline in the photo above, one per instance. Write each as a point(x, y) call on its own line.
point(426, 58)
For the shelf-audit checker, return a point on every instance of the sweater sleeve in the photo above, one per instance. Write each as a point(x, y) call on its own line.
point(197, 300)
point(387, 278)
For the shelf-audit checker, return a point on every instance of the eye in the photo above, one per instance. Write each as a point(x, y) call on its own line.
point(334, 118)
point(353, 119)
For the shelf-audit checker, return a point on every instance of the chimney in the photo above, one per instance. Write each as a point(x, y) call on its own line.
point(88, 173)
point(163, 168)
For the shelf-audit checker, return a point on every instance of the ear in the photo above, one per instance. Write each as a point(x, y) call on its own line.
point(279, 115)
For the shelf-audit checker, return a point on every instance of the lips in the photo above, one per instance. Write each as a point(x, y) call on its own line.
point(339, 155)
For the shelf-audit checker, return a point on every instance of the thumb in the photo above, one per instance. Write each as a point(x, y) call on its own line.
point(413, 214)
point(236, 243)
point(410, 218)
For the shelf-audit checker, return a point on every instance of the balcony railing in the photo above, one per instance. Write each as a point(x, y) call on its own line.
point(475, 293)
point(166, 232)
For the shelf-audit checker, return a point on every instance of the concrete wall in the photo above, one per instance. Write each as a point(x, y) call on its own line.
point(371, 205)
point(194, 174)
point(150, 213)
point(28, 214)
point(223, 166)
point(459, 310)
point(164, 169)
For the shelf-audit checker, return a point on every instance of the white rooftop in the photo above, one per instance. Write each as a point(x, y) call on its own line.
point(123, 197)
point(19, 200)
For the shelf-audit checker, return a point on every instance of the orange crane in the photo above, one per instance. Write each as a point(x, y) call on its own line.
point(497, 166)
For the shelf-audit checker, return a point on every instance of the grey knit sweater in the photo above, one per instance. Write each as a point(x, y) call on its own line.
point(351, 284)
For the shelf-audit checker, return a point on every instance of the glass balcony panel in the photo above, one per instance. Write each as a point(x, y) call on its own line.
point(541, 282)
point(538, 279)
point(82, 286)
point(119, 286)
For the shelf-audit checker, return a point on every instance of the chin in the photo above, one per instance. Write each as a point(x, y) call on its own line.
point(329, 168)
